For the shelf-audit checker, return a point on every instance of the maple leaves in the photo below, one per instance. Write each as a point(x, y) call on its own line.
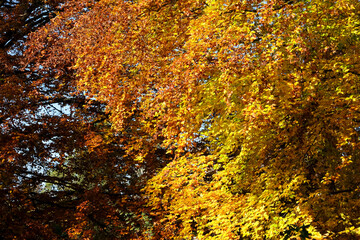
point(238, 119)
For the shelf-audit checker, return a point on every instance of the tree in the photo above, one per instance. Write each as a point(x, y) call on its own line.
point(64, 172)
point(270, 87)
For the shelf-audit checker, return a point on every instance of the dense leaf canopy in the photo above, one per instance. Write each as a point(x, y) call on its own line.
point(187, 119)
point(64, 171)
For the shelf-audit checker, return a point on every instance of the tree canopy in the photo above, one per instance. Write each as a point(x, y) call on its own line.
point(183, 119)
point(64, 172)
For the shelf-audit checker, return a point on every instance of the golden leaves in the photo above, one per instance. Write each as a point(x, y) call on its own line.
point(258, 101)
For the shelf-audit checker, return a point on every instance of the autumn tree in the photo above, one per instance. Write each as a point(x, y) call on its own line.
point(270, 87)
point(64, 172)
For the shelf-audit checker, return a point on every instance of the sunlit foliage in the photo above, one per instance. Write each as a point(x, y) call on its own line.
point(257, 102)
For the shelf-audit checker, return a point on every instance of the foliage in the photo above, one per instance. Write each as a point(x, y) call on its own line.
point(248, 110)
point(64, 171)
